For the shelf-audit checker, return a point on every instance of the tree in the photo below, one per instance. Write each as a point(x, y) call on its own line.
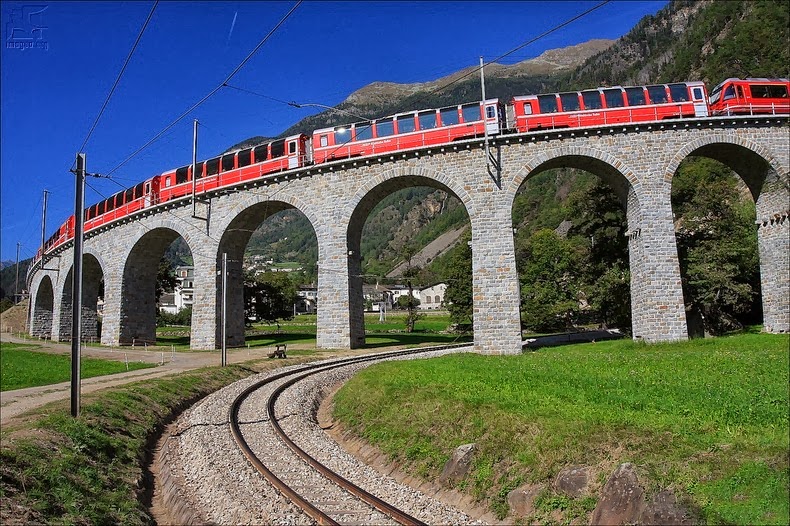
point(269, 296)
point(717, 244)
point(409, 302)
point(458, 276)
point(599, 221)
point(165, 279)
point(550, 285)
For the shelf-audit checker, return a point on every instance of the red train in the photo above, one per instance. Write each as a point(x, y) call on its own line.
point(416, 129)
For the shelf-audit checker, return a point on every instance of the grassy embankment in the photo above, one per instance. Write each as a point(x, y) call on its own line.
point(707, 418)
point(23, 367)
point(91, 470)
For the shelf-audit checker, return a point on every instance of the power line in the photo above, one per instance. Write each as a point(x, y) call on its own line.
point(213, 91)
point(476, 71)
point(118, 78)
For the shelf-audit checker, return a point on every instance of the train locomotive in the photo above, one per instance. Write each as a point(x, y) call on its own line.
point(416, 129)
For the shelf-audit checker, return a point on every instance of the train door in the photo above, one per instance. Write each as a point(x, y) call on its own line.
point(700, 104)
point(293, 153)
point(147, 194)
point(492, 117)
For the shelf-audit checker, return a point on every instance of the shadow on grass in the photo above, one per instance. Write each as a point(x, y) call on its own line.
point(374, 340)
point(271, 339)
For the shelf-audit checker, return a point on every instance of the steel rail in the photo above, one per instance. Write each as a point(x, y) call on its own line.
point(312, 511)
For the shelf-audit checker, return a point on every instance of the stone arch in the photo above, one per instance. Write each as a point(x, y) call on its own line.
point(92, 275)
point(628, 188)
point(754, 163)
point(138, 284)
point(362, 203)
point(43, 306)
point(399, 177)
point(769, 184)
point(236, 234)
point(614, 171)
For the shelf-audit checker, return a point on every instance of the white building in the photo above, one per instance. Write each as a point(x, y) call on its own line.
point(432, 297)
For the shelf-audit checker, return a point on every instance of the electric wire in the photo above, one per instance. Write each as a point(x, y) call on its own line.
point(212, 92)
point(118, 78)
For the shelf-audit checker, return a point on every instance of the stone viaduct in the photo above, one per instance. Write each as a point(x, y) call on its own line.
point(637, 160)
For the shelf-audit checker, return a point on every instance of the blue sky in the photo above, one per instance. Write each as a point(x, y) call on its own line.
point(52, 91)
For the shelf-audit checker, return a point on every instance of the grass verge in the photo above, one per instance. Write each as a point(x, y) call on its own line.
point(55, 469)
point(707, 418)
point(23, 367)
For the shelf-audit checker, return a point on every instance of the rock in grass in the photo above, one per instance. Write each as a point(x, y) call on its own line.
point(572, 481)
point(458, 465)
point(622, 499)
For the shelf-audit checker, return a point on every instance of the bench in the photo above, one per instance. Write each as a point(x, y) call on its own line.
point(279, 351)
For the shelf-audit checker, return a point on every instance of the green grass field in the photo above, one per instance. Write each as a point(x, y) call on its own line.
point(432, 329)
point(23, 367)
point(708, 418)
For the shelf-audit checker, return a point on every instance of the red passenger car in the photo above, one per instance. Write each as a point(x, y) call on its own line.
point(750, 97)
point(122, 204)
point(603, 106)
point(407, 130)
point(236, 167)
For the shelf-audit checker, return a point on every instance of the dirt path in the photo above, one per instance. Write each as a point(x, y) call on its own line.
point(13, 403)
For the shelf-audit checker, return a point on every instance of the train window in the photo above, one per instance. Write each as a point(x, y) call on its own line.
point(199, 169)
point(490, 112)
point(182, 175)
point(636, 96)
point(260, 152)
point(385, 128)
point(547, 103)
point(449, 116)
point(212, 167)
point(128, 196)
point(658, 95)
point(292, 147)
point(471, 112)
point(696, 94)
point(323, 140)
point(679, 92)
point(427, 120)
point(138, 191)
point(100, 207)
point(167, 182)
point(244, 157)
point(613, 98)
point(406, 123)
point(278, 148)
point(729, 93)
point(228, 162)
point(570, 101)
point(342, 135)
point(777, 92)
point(592, 100)
point(363, 131)
point(527, 108)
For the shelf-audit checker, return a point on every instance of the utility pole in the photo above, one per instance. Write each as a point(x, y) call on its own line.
point(76, 288)
point(224, 358)
point(194, 167)
point(497, 177)
point(44, 229)
point(16, 283)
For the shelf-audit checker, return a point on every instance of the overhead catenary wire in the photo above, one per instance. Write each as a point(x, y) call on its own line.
point(118, 78)
point(212, 92)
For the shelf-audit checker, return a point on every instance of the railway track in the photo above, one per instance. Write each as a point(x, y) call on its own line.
point(272, 447)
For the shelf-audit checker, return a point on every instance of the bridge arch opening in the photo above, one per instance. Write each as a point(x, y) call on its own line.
point(571, 217)
point(272, 253)
point(148, 280)
point(92, 299)
point(730, 207)
point(41, 319)
point(398, 266)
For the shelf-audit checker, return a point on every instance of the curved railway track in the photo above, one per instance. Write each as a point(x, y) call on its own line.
point(346, 502)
